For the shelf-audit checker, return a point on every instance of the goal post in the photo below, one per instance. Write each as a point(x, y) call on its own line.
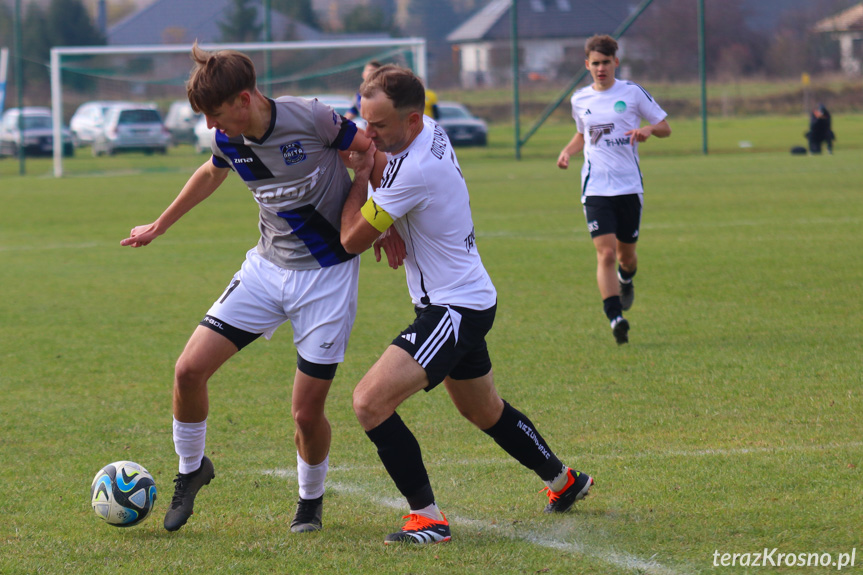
point(415, 47)
point(4, 69)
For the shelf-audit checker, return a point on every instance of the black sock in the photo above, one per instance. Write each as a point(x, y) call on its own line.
point(400, 453)
point(612, 306)
point(624, 275)
point(516, 434)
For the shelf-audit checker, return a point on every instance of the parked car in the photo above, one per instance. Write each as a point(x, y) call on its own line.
point(203, 135)
point(89, 119)
point(180, 121)
point(132, 128)
point(37, 136)
point(462, 127)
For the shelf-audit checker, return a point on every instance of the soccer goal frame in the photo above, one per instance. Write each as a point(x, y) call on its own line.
point(4, 69)
point(417, 46)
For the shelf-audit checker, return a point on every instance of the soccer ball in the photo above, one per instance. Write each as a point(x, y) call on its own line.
point(123, 493)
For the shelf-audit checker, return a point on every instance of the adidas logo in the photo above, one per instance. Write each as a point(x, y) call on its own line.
point(411, 337)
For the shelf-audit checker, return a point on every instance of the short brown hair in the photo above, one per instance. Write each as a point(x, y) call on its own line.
point(398, 84)
point(602, 43)
point(218, 77)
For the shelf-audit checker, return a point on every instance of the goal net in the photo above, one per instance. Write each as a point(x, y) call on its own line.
point(156, 74)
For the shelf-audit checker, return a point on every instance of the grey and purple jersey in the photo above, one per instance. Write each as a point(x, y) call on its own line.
point(298, 179)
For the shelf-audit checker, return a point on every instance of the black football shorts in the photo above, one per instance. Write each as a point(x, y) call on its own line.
point(618, 215)
point(449, 341)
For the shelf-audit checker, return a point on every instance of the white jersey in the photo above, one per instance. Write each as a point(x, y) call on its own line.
point(423, 190)
point(610, 161)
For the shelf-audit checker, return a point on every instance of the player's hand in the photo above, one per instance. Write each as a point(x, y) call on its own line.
point(393, 245)
point(639, 135)
point(563, 160)
point(141, 236)
point(363, 162)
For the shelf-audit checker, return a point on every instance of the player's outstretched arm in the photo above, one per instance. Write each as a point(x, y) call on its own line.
point(203, 182)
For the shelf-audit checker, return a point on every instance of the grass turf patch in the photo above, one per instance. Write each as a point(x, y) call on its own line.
point(729, 422)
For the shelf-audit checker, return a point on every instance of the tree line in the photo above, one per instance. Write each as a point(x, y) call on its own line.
point(735, 48)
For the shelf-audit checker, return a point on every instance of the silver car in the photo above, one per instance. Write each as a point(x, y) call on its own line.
point(132, 129)
point(37, 135)
point(203, 135)
point(180, 121)
point(89, 119)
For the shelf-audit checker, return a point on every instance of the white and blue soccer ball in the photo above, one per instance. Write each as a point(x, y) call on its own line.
point(123, 493)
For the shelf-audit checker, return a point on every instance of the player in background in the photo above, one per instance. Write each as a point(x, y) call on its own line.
point(355, 111)
point(431, 108)
point(608, 116)
point(424, 196)
point(290, 152)
point(820, 130)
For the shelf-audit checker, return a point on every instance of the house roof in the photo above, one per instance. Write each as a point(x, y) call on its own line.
point(544, 19)
point(846, 21)
point(184, 21)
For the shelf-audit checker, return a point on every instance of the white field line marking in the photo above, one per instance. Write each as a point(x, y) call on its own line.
point(616, 558)
point(619, 559)
point(736, 451)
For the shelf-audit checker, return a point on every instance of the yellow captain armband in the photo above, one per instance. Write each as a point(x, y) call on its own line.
point(376, 216)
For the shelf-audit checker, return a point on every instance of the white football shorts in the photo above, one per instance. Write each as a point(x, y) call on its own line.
point(321, 304)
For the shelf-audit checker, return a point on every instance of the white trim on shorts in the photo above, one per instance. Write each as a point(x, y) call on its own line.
point(436, 340)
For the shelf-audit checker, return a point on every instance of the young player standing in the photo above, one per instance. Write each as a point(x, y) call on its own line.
point(608, 116)
point(287, 151)
point(424, 196)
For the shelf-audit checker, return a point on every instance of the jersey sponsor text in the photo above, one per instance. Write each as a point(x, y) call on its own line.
point(597, 131)
point(438, 146)
point(470, 240)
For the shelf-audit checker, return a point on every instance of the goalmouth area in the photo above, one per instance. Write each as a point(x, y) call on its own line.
point(412, 50)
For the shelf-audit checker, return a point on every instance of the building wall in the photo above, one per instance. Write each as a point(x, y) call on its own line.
point(490, 63)
point(850, 49)
point(474, 64)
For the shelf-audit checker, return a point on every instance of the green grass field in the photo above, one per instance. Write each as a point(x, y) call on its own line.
point(730, 423)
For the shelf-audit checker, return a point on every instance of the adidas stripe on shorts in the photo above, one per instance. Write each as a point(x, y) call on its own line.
point(449, 341)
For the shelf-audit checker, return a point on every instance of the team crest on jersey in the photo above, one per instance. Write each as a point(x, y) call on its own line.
point(620, 106)
point(293, 153)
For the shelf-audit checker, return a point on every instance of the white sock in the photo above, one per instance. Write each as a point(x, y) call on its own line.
point(431, 512)
point(311, 477)
point(559, 482)
point(189, 440)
